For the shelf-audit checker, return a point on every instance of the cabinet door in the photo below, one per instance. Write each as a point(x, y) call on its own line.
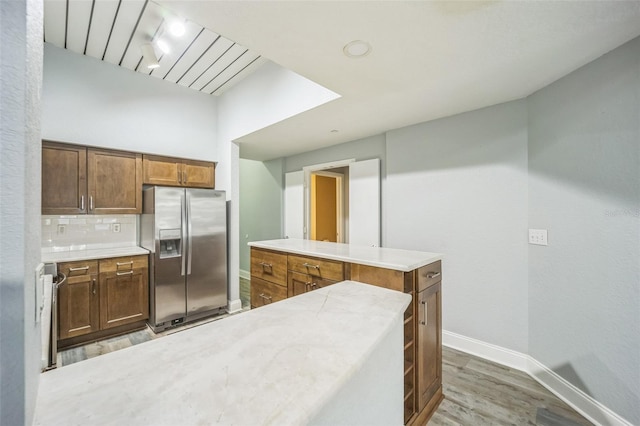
point(64, 179)
point(163, 171)
point(198, 174)
point(78, 298)
point(429, 344)
point(114, 182)
point(124, 297)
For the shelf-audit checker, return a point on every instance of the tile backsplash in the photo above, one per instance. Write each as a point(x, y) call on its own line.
point(85, 232)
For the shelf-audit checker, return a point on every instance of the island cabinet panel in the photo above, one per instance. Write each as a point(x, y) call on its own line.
point(264, 292)
point(169, 171)
point(102, 298)
point(429, 348)
point(78, 299)
point(322, 268)
point(124, 291)
point(269, 265)
point(64, 179)
point(114, 182)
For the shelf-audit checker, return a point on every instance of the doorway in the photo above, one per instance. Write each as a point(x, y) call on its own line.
point(327, 206)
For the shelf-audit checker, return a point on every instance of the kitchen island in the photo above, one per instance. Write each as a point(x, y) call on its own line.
point(289, 267)
point(332, 356)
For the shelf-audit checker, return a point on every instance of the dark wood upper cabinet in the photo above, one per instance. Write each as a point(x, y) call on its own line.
point(64, 179)
point(168, 171)
point(114, 182)
point(79, 180)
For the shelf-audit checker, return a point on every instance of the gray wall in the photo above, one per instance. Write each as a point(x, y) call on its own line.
point(91, 102)
point(261, 199)
point(584, 187)
point(458, 186)
point(20, 85)
point(361, 149)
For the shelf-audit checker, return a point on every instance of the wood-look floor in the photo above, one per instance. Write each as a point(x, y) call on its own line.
point(477, 392)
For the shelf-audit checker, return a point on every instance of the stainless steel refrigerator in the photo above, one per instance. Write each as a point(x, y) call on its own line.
point(186, 231)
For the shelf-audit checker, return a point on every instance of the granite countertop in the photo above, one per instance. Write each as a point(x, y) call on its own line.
point(382, 257)
point(278, 364)
point(90, 254)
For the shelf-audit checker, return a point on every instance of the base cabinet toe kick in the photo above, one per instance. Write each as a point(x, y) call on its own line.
point(277, 274)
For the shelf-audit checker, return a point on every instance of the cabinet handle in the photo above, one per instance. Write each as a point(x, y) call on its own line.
point(265, 297)
point(84, 268)
point(267, 268)
point(308, 265)
point(91, 202)
point(424, 317)
point(124, 273)
point(184, 177)
point(124, 263)
point(93, 286)
point(82, 202)
point(432, 274)
point(313, 285)
point(179, 176)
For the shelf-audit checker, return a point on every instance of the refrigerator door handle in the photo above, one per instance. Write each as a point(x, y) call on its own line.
point(184, 232)
point(189, 237)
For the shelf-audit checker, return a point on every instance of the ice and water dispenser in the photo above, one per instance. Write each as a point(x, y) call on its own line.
point(170, 243)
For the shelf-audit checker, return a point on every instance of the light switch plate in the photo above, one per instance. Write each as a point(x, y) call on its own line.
point(538, 237)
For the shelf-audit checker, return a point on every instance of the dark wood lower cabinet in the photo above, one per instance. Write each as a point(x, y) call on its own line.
point(78, 300)
point(429, 347)
point(124, 297)
point(93, 305)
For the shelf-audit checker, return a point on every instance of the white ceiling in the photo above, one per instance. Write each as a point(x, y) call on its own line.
point(114, 31)
point(430, 59)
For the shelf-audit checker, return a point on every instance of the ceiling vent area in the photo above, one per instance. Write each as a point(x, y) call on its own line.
point(115, 31)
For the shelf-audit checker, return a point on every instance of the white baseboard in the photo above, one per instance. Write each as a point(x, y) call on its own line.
point(507, 357)
point(244, 274)
point(591, 409)
point(234, 306)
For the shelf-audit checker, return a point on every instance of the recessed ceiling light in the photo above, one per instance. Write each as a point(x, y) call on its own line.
point(357, 49)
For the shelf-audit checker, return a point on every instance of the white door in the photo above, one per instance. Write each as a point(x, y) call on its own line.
point(364, 203)
point(294, 205)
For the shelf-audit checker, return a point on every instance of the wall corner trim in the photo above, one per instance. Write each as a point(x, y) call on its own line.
point(584, 404)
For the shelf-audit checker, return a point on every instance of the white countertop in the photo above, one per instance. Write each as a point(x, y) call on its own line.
point(48, 256)
point(381, 257)
point(278, 365)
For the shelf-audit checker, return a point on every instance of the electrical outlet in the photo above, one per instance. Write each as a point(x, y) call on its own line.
point(61, 229)
point(115, 227)
point(538, 237)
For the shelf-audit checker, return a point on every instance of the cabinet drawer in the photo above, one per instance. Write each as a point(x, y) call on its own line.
point(81, 267)
point(328, 269)
point(269, 266)
point(429, 275)
point(125, 263)
point(264, 292)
